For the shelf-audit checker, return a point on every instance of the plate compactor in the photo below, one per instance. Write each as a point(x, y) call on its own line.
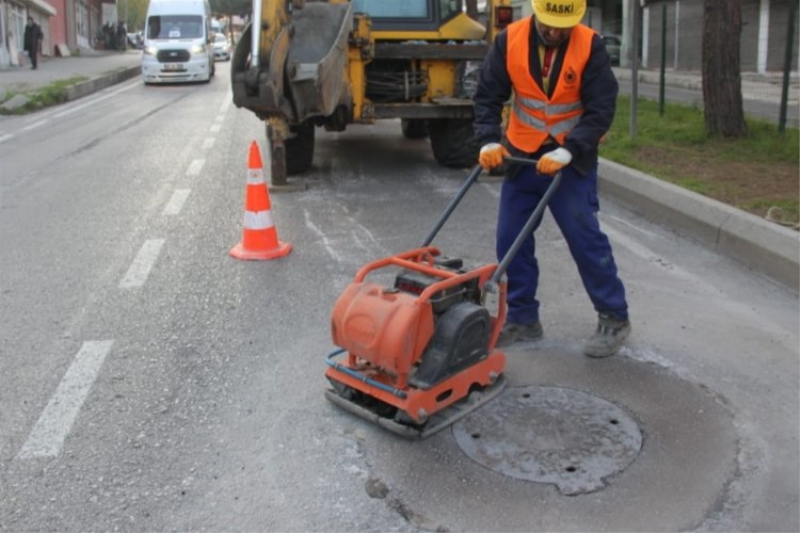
point(416, 356)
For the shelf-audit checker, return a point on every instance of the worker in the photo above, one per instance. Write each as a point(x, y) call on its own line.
point(564, 98)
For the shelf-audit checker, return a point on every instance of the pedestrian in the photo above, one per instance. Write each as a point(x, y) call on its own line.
point(110, 40)
point(122, 36)
point(564, 99)
point(33, 39)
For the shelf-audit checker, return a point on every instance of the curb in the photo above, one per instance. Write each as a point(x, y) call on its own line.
point(692, 83)
point(79, 90)
point(756, 243)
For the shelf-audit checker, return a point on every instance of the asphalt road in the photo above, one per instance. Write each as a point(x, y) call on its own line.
point(153, 383)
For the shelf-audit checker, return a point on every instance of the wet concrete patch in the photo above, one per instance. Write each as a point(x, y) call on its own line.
point(681, 477)
point(552, 435)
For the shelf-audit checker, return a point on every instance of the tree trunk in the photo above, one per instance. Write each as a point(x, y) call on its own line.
point(722, 81)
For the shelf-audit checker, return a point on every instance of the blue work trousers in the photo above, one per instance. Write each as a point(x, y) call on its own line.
point(574, 207)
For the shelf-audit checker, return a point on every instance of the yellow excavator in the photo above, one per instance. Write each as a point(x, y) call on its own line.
point(302, 65)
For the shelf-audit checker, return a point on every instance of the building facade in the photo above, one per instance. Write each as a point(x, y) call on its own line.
point(763, 40)
point(13, 18)
point(67, 25)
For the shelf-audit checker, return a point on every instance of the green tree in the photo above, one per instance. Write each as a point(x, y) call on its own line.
point(225, 9)
point(133, 12)
point(228, 8)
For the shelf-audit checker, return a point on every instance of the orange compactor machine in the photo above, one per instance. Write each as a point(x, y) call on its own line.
point(417, 355)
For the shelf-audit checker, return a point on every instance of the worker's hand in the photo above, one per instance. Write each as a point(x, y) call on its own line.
point(492, 155)
point(552, 162)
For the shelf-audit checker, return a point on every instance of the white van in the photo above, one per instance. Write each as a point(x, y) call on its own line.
point(177, 42)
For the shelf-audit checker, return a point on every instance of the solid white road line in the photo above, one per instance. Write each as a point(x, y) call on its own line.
point(175, 203)
point(142, 263)
point(195, 167)
point(93, 101)
point(47, 113)
point(69, 108)
point(47, 436)
point(34, 125)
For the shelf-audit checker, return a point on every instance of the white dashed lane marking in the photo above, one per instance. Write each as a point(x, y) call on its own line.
point(48, 435)
point(195, 167)
point(175, 203)
point(142, 263)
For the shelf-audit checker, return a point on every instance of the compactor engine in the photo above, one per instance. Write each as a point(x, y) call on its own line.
point(417, 348)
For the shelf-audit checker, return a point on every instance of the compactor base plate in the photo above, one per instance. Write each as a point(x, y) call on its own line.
point(438, 421)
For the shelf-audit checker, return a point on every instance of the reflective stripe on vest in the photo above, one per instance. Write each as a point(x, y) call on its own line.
point(535, 117)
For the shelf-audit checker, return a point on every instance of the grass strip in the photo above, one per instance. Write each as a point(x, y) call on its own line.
point(756, 173)
point(52, 94)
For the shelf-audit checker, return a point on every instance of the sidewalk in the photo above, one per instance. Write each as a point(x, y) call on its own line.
point(765, 87)
point(102, 68)
point(763, 246)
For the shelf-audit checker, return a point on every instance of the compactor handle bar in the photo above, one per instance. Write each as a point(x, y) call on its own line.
point(526, 231)
point(464, 188)
point(453, 203)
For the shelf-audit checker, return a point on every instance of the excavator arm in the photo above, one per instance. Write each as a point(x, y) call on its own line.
point(297, 76)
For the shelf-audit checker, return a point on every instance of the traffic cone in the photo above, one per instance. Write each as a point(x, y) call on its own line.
point(259, 237)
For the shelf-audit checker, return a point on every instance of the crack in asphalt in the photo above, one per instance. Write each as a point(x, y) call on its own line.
point(377, 489)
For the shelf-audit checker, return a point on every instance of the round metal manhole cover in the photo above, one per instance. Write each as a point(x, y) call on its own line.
point(551, 435)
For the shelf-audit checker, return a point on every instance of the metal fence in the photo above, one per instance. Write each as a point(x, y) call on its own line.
point(671, 38)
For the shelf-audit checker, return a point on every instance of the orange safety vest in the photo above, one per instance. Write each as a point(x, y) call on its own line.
point(534, 116)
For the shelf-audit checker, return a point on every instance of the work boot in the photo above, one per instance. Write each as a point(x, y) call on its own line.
point(607, 340)
point(513, 332)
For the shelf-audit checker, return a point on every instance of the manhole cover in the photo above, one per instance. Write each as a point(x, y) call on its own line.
point(551, 435)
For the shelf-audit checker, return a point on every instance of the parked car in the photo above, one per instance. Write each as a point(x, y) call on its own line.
point(222, 48)
point(614, 47)
point(135, 40)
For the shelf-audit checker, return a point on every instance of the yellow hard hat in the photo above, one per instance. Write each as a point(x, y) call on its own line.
point(559, 13)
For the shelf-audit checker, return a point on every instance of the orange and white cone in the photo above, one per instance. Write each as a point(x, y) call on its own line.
point(259, 237)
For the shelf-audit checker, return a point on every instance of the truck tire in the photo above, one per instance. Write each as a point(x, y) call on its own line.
point(300, 148)
point(453, 142)
point(414, 128)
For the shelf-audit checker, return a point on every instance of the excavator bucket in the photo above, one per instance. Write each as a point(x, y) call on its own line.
point(300, 71)
point(317, 57)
